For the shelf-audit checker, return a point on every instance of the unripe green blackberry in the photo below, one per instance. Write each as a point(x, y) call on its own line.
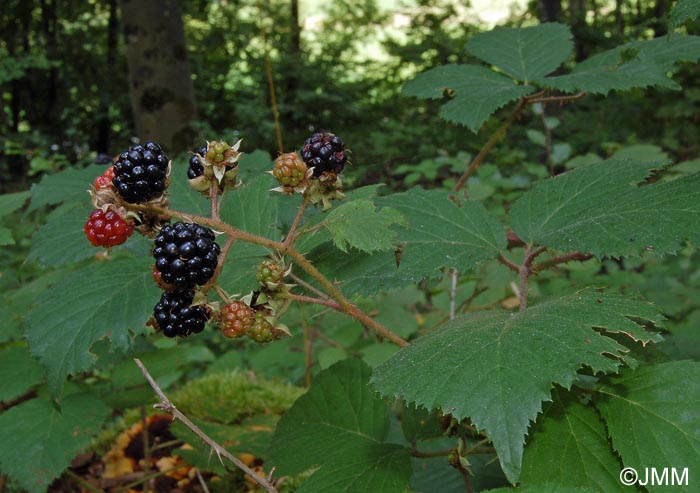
point(262, 331)
point(216, 150)
point(270, 272)
point(290, 170)
point(236, 319)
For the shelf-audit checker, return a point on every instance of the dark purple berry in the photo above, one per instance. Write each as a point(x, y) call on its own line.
point(324, 152)
point(175, 316)
point(186, 254)
point(140, 173)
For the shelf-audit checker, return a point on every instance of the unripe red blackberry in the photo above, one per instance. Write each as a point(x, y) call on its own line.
point(175, 316)
point(107, 229)
point(140, 173)
point(324, 152)
point(236, 319)
point(289, 170)
point(262, 331)
point(186, 254)
point(269, 271)
point(105, 179)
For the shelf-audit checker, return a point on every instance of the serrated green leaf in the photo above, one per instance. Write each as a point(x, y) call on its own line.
point(598, 208)
point(497, 367)
point(359, 225)
point(524, 53)
point(62, 239)
point(359, 273)
point(253, 208)
point(45, 439)
point(105, 299)
point(341, 426)
point(19, 372)
point(478, 92)
point(65, 187)
point(636, 64)
point(569, 446)
point(10, 202)
point(652, 417)
point(182, 196)
point(441, 234)
point(684, 10)
point(253, 164)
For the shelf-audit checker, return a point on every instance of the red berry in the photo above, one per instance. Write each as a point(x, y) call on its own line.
point(107, 229)
point(236, 319)
point(289, 170)
point(105, 179)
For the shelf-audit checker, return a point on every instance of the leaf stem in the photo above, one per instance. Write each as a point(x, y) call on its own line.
point(289, 240)
point(561, 259)
point(168, 407)
point(556, 99)
point(318, 301)
point(495, 137)
point(347, 307)
point(309, 287)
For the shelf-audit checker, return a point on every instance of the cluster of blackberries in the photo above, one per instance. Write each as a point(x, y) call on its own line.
point(196, 169)
point(175, 316)
point(140, 173)
point(324, 152)
point(186, 256)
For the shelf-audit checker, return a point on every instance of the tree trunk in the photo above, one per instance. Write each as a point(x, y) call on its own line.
point(659, 25)
point(104, 124)
point(549, 10)
point(48, 24)
point(162, 95)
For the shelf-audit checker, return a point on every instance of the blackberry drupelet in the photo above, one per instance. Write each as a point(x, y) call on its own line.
point(175, 317)
point(140, 173)
point(325, 152)
point(196, 169)
point(186, 254)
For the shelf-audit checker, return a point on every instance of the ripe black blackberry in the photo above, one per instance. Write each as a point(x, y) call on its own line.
point(186, 254)
point(325, 152)
point(196, 169)
point(175, 316)
point(140, 173)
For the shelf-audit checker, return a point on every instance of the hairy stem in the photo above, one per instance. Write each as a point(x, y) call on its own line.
point(562, 259)
point(556, 99)
point(168, 407)
point(309, 287)
point(291, 235)
point(318, 301)
point(346, 306)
